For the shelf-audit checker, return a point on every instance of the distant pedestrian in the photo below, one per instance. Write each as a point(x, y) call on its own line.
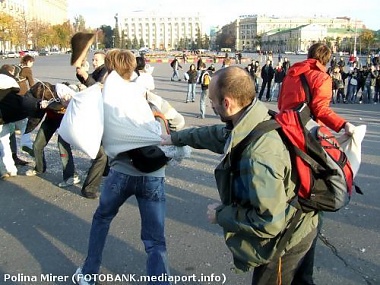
point(267, 73)
point(279, 75)
point(175, 66)
point(204, 80)
point(192, 83)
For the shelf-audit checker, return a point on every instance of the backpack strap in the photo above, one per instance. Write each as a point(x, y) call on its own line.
point(252, 137)
point(306, 88)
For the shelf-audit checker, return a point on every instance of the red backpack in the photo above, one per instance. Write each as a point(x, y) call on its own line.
point(321, 169)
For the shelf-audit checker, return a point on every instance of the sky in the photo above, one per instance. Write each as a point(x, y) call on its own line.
point(220, 12)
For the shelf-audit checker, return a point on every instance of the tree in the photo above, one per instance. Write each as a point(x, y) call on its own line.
point(128, 44)
point(79, 24)
point(142, 44)
point(107, 33)
point(226, 40)
point(62, 35)
point(205, 42)
point(367, 38)
point(116, 38)
point(135, 43)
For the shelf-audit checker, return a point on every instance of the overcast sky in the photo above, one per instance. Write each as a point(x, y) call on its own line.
point(220, 12)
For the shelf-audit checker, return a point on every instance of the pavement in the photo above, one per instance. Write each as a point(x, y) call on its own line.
point(44, 229)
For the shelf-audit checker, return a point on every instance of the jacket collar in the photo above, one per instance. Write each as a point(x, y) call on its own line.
point(255, 114)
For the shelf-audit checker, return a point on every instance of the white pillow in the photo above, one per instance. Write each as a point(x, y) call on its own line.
point(82, 124)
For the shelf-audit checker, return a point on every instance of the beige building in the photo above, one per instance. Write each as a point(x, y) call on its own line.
point(296, 40)
point(161, 31)
point(251, 28)
point(45, 11)
point(31, 13)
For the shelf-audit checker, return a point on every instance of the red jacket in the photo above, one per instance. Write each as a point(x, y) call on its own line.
point(320, 83)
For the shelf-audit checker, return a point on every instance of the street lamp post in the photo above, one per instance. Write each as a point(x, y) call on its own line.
point(355, 39)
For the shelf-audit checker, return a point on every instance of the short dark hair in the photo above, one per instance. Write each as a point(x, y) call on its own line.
point(26, 58)
point(140, 63)
point(237, 82)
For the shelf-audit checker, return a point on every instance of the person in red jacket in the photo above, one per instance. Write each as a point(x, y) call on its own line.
point(320, 83)
point(292, 95)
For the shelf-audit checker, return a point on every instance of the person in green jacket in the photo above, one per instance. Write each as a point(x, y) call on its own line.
point(254, 209)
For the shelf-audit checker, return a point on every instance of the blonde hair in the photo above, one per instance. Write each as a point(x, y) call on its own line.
point(122, 61)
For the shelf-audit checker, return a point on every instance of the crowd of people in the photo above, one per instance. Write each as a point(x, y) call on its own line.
point(253, 209)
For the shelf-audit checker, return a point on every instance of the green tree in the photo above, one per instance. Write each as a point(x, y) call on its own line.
point(128, 44)
point(226, 40)
point(206, 42)
point(367, 38)
point(62, 35)
point(142, 43)
point(107, 36)
point(116, 38)
point(135, 43)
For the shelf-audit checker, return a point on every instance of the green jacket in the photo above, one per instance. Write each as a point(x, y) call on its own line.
point(255, 208)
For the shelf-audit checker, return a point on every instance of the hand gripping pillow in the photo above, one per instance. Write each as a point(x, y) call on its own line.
point(82, 124)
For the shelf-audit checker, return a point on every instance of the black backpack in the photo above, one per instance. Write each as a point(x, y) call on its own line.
point(151, 158)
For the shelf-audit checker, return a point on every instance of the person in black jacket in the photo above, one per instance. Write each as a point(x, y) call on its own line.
point(99, 165)
point(267, 73)
point(13, 107)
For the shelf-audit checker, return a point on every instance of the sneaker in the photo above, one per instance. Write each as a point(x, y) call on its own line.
point(69, 182)
point(28, 150)
point(31, 172)
point(89, 195)
point(8, 175)
point(79, 280)
point(5, 176)
point(19, 161)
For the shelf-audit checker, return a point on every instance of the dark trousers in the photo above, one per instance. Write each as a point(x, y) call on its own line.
point(265, 83)
point(304, 274)
point(290, 263)
point(94, 175)
point(44, 134)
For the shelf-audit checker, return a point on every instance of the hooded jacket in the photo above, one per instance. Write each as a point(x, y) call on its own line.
point(255, 205)
point(320, 83)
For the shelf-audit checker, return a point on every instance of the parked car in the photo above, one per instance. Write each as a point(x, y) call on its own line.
point(23, 53)
point(301, 52)
point(44, 52)
point(33, 52)
point(11, 54)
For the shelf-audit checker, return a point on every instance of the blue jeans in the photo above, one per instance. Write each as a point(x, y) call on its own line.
point(351, 93)
point(191, 92)
point(175, 74)
point(150, 195)
point(203, 101)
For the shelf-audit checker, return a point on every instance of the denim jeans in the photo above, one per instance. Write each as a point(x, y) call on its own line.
point(175, 74)
point(351, 93)
point(203, 101)
point(276, 85)
point(191, 92)
point(44, 134)
point(150, 195)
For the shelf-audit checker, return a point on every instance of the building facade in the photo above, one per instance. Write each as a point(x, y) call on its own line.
point(29, 14)
point(251, 28)
point(52, 12)
point(161, 31)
